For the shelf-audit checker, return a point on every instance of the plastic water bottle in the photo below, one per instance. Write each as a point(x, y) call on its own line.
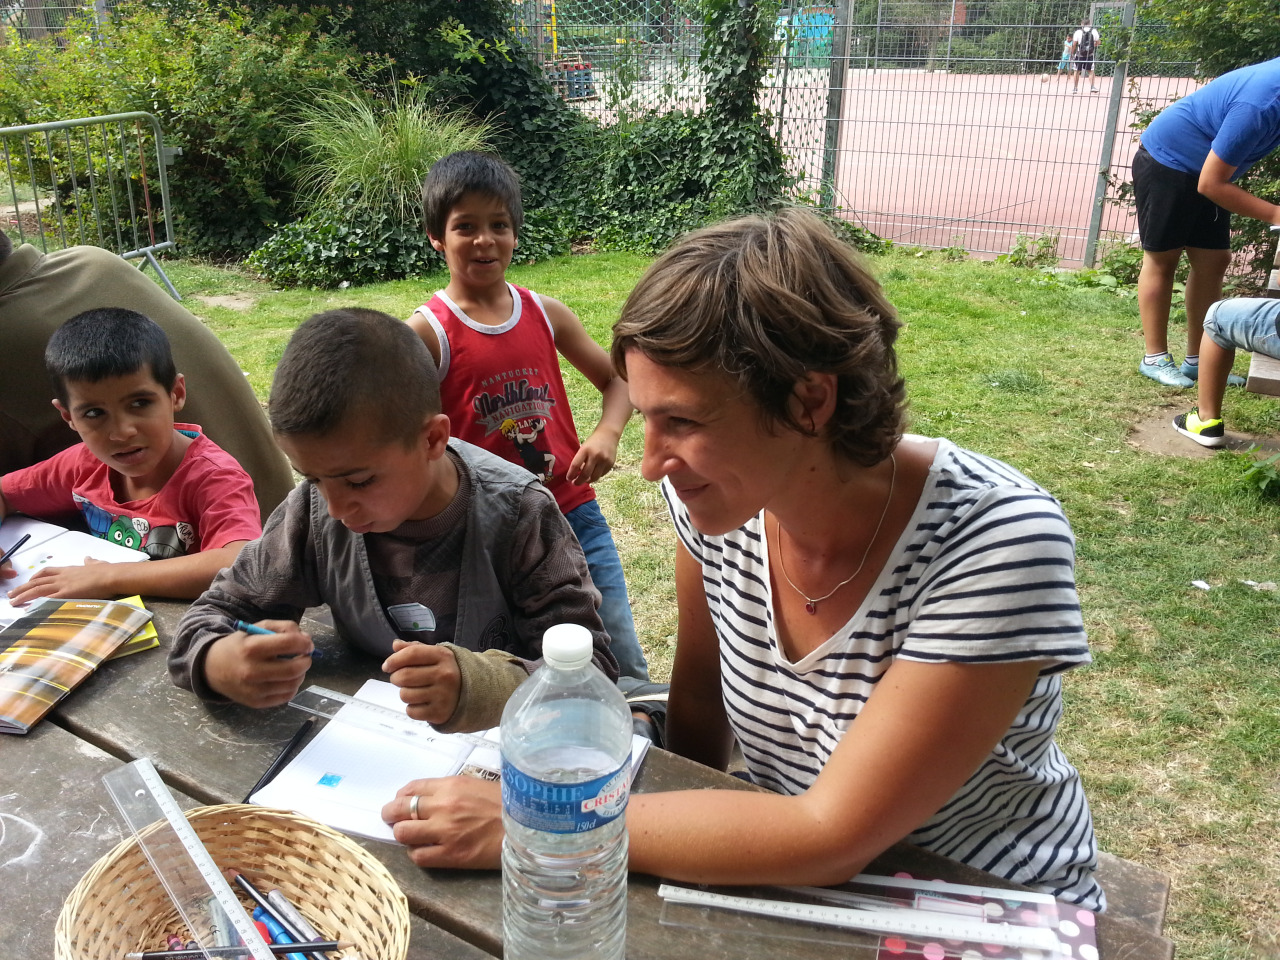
point(566, 775)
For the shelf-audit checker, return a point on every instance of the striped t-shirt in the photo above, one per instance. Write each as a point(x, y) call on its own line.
point(983, 572)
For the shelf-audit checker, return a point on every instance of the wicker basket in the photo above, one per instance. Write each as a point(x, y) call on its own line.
point(346, 894)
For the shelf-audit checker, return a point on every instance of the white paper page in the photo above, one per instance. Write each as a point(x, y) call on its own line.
point(51, 546)
point(382, 693)
point(345, 775)
point(15, 527)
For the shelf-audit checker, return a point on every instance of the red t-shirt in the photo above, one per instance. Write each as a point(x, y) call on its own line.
point(502, 390)
point(206, 504)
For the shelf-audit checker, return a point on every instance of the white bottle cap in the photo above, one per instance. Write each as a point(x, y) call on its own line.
point(567, 646)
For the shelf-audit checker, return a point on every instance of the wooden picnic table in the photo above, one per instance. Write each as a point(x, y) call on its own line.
point(1264, 375)
point(214, 753)
point(56, 820)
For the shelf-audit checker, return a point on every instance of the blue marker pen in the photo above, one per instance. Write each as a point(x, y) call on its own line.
point(264, 632)
point(278, 934)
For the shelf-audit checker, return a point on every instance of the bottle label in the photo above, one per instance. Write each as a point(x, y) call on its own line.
point(565, 807)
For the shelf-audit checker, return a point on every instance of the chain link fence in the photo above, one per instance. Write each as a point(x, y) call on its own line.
point(616, 58)
point(938, 123)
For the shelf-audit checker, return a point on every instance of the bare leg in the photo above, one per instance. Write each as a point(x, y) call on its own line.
point(1215, 364)
point(1204, 286)
point(1155, 292)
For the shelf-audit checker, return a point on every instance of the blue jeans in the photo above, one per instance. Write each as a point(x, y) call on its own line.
point(1246, 323)
point(592, 531)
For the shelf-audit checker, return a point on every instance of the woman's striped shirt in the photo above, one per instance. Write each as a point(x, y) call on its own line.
point(983, 572)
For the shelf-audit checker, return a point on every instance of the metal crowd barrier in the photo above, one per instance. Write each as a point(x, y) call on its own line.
point(101, 181)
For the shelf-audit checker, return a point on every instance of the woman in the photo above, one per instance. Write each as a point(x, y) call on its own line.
point(830, 570)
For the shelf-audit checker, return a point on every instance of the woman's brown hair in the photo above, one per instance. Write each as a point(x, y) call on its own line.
point(765, 300)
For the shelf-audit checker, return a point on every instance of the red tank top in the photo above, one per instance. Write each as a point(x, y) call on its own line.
point(502, 390)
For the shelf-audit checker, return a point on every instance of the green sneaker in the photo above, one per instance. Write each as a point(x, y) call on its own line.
point(1207, 433)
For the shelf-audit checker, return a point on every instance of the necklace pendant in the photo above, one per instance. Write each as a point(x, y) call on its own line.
point(811, 608)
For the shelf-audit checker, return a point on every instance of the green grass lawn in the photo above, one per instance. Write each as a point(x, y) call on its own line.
point(1176, 726)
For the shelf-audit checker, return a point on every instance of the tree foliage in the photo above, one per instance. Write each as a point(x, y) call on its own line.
point(1218, 35)
point(232, 80)
point(223, 84)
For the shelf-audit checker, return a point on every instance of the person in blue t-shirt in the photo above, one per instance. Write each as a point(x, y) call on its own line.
point(1184, 187)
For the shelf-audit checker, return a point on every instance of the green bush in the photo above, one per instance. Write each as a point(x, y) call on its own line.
point(545, 233)
point(351, 244)
point(1262, 475)
point(1034, 252)
point(643, 182)
point(666, 174)
point(550, 144)
point(345, 246)
point(1122, 261)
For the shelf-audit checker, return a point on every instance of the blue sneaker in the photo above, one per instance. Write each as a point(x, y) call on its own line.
point(1165, 371)
point(1192, 373)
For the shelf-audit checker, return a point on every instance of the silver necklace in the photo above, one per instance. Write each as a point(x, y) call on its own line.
point(811, 603)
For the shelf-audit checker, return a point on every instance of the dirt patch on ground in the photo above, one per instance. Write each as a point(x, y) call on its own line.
point(232, 301)
point(1156, 435)
point(22, 218)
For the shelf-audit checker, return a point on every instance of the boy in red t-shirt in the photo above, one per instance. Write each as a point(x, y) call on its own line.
point(138, 478)
point(495, 345)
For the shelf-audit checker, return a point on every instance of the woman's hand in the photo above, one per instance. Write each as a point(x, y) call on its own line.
point(458, 824)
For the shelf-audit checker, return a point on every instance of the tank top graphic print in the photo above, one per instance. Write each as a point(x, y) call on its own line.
point(502, 390)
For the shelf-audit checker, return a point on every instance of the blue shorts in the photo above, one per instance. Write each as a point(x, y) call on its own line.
point(1247, 323)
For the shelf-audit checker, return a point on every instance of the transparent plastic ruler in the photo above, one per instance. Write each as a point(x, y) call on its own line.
point(902, 921)
point(180, 860)
point(331, 705)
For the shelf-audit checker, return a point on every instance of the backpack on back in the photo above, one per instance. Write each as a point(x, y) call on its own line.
point(1088, 41)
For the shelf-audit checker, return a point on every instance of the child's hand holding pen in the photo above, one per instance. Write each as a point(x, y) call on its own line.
point(6, 566)
point(260, 665)
point(428, 678)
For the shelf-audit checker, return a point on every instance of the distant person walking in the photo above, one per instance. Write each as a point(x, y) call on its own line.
point(1184, 189)
point(1084, 47)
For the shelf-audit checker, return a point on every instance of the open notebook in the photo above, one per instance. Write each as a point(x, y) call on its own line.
point(345, 775)
point(51, 546)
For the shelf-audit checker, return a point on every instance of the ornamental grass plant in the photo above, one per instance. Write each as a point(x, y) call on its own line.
point(363, 164)
point(1176, 725)
point(376, 153)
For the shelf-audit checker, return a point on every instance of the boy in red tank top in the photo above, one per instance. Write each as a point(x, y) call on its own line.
point(496, 348)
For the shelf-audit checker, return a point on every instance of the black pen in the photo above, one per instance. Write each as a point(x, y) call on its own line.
point(285, 755)
point(277, 948)
point(8, 554)
point(240, 880)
